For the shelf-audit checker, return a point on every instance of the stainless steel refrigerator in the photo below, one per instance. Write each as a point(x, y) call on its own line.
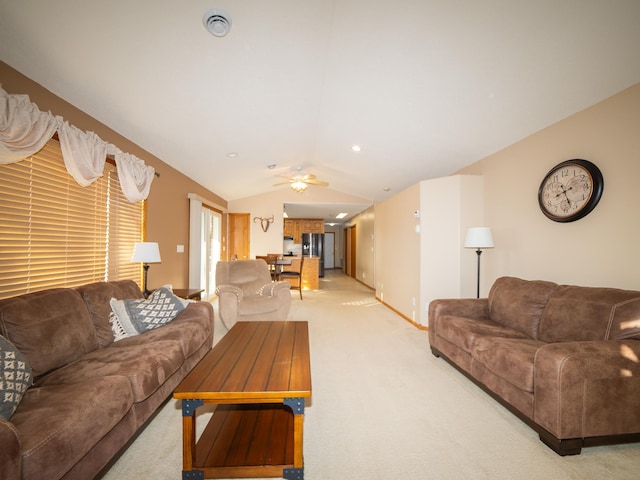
point(313, 246)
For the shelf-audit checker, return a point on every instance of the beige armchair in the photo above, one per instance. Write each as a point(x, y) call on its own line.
point(246, 292)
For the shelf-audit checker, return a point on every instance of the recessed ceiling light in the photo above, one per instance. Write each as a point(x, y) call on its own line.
point(232, 154)
point(341, 215)
point(386, 189)
point(271, 166)
point(356, 148)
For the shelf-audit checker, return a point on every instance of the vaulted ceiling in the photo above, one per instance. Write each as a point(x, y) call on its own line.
point(424, 87)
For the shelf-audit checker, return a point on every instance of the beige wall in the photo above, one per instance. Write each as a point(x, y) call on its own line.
point(167, 206)
point(598, 250)
point(364, 223)
point(272, 203)
point(397, 252)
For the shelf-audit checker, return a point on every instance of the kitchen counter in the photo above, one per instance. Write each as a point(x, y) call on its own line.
point(310, 272)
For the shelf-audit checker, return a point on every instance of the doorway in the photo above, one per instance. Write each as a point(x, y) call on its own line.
point(238, 236)
point(329, 250)
point(205, 245)
point(211, 248)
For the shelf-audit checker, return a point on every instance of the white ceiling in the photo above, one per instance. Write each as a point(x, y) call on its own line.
point(424, 86)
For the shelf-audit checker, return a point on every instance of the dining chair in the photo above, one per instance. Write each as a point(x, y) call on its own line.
point(271, 259)
point(294, 272)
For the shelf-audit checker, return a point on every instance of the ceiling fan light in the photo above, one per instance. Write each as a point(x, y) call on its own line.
point(299, 186)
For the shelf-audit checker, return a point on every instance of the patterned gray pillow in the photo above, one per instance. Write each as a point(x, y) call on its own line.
point(15, 377)
point(136, 316)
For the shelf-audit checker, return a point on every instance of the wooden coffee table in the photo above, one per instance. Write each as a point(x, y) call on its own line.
point(259, 376)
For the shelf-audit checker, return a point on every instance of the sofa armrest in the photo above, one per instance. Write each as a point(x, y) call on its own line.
point(457, 307)
point(198, 310)
point(588, 389)
point(224, 290)
point(10, 461)
point(273, 289)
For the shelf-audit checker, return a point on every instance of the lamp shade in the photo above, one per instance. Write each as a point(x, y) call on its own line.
point(479, 237)
point(146, 252)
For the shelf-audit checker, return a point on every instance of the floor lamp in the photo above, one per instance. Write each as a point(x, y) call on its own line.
point(478, 238)
point(146, 253)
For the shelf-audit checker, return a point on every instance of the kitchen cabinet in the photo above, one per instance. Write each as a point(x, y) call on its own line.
point(295, 227)
point(313, 225)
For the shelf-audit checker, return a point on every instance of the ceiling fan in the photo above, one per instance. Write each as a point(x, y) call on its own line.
point(299, 181)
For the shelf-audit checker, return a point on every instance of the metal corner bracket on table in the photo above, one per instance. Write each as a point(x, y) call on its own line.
point(293, 473)
point(193, 475)
point(296, 404)
point(189, 406)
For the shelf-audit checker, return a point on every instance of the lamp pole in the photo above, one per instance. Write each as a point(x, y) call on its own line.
point(478, 238)
point(479, 252)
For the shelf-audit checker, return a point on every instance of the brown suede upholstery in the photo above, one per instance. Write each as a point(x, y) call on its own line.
point(565, 359)
point(246, 292)
point(90, 395)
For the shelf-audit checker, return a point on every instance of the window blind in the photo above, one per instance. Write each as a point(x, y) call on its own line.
point(55, 233)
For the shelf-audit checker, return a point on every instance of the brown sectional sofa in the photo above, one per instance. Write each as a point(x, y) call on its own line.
point(90, 394)
point(565, 359)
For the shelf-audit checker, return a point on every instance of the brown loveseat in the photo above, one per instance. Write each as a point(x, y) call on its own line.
point(565, 359)
point(90, 394)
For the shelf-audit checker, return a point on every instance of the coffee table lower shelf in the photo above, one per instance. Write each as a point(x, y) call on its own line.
point(247, 441)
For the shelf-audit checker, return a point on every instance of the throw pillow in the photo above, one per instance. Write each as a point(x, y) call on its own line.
point(15, 377)
point(136, 316)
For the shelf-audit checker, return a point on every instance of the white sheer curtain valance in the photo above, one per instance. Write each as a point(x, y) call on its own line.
point(135, 177)
point(84, 153)
point(24, 130)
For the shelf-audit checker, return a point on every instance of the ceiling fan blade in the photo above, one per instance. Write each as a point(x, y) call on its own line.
point(281, 183)
point(319, 183)
point(308, 176)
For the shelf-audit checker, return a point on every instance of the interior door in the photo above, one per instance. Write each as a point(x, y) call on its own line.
point(238, 248)
point(352, 252)
point(329, 250)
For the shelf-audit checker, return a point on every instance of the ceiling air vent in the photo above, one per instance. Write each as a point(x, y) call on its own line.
point(217, 22)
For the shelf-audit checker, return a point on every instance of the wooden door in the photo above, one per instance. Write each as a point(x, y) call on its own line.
point(239, 242)
point(352, 251)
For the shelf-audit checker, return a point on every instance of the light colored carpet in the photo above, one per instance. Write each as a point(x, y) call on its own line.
point(384, 408)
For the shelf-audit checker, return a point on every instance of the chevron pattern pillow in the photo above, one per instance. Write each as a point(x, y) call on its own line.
point(136, 316)
point(15, 377)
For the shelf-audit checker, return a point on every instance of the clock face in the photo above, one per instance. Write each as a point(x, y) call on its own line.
point(570, 190)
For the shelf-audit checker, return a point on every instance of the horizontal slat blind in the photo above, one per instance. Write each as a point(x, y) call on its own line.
point(125, 229)
point(55, 233)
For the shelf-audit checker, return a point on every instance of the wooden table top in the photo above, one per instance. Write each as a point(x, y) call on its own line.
point(254, 362)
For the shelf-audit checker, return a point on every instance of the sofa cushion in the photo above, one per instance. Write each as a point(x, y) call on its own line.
point(51, 328)
point(511, 359)
point(58, 425)
point(97, 296)
point(591, 313)
point(191, 329)
point(15, 377)
point(258, 305)
point(147, 366)
point(135, 316)
point(463, 332)
point(519, 304)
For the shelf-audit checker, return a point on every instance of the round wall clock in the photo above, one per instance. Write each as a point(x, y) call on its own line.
point(570, 190)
